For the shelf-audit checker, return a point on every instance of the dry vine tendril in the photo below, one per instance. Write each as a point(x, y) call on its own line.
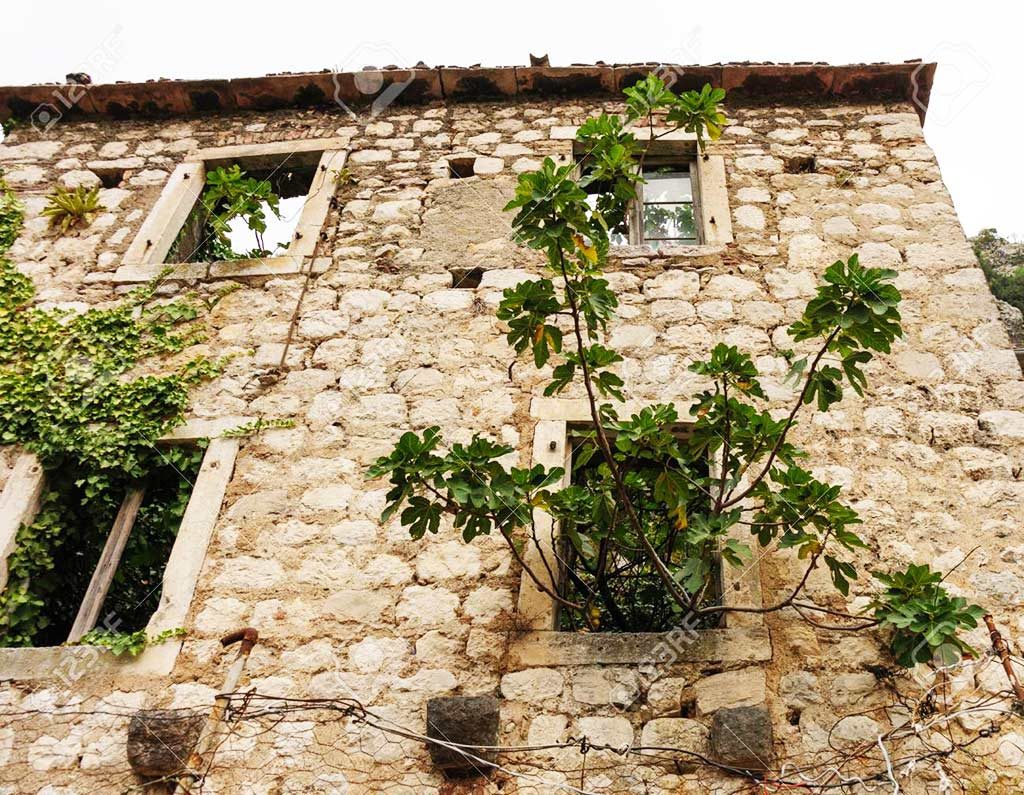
point(646, 524)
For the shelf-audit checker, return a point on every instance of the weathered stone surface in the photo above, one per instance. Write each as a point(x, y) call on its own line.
point(615, 732)
point(745, 687)
point(680, 735)
point(856, 729)
point(462, 720)
point(742, 737)
point(618, 687)
point(799, 689)
point(536, 684)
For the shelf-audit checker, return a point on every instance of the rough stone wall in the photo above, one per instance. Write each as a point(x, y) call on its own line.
point(345, 606)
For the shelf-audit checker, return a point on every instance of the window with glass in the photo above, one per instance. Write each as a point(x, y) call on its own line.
point(665, 211)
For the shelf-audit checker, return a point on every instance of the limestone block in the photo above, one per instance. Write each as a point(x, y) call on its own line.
point(759, 164)
point(617, 687)
point(856, 730)
point(447, 560)
point(733, 288)
point(485, 604)
point(547, 729)
point(679, 733)
point(848, 689)
point(450, 300)
point(370, 156)
point(488, 165)
point(879, 255)
point(806, 251)
point(1008, 425)
point(673, 284)
point(758, 195)
point(741, 688)
point(427, 606)
point(533, 685)
point(749, 217)
point(799, 689)
point(616, 732)
point(396, 210)
point(77, 178)
point(33, 150)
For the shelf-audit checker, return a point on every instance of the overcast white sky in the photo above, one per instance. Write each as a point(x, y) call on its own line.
point(974, 122)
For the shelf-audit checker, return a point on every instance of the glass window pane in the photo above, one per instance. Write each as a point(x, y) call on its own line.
point(669, 222)
point(668, 187)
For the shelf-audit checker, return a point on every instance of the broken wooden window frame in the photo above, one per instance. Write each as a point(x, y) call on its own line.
point(741, 636)
point(145, 258)
point(19, 502)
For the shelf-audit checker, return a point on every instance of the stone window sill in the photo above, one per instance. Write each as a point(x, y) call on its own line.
point(209, 271)
point(552, 648)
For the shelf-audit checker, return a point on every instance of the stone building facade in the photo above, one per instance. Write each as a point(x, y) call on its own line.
point(817, 162)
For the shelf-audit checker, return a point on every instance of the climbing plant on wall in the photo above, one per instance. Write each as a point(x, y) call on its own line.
point(89, 393)
point(647, 513)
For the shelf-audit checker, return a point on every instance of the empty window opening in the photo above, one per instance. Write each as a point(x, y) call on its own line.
point(666, 210)
point(110, 177)
point(109, 551)
point(801, 165)
point(603, 564)
point(466, 278)
point(244, 213)
point(461, 167)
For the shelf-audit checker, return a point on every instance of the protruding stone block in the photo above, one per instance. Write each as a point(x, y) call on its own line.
point(464, 720)
point(742, 737)
point(160, 740)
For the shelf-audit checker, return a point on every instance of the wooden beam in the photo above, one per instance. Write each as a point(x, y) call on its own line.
point(19, 504)
point(103, 576)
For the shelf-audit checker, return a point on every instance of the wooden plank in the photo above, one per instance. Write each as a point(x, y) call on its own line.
point(103, 575)
point(161, 227)
point(19, 504)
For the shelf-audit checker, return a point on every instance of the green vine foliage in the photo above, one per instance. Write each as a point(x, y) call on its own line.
point(79, 391)
point(644, 517)
point(130, 643)
point(229, 193)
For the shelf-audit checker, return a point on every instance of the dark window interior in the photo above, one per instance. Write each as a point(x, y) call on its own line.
point(636, 589)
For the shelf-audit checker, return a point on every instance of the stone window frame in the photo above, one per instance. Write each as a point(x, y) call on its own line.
point(742, 637)
point(19, 503)
point(144, 259)
point(711, 199)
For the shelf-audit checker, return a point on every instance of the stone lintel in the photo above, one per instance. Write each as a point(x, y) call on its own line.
point(550, 648)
